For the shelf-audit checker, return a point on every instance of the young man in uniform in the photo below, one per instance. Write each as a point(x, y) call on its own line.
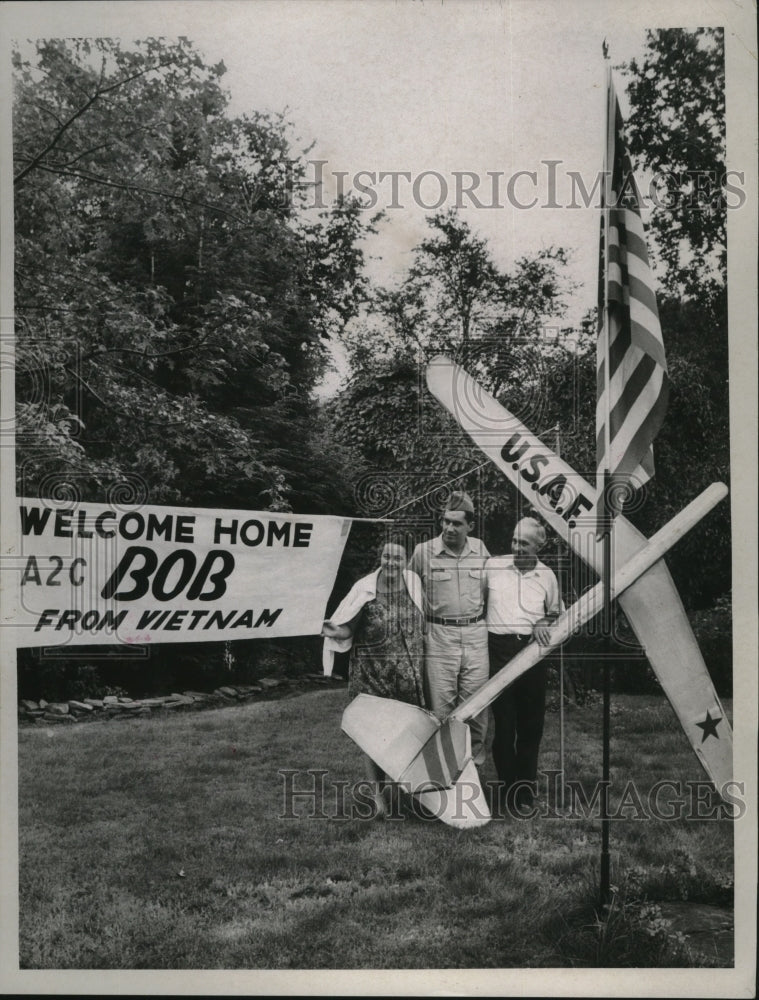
point(452, 568)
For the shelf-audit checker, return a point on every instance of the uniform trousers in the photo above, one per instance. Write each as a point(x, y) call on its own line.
point(518, 714)
point(455, 666)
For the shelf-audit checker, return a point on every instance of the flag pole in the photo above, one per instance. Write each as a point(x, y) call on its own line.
point(562, 789)
point(605, 875)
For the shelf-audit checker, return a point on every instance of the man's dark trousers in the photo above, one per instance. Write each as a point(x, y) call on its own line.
point(518, 713)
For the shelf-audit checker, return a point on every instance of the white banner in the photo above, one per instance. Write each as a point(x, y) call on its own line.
point(94, 573)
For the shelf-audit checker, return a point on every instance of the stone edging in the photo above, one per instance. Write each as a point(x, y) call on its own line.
point(113, 706)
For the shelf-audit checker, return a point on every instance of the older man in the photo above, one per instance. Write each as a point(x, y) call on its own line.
point(456, 641)
point(523, 602)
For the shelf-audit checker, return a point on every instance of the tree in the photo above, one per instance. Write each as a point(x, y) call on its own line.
point(676, 129)
point(456, 301)
point(170, 293)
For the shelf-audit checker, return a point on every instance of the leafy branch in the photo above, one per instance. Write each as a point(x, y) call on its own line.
point(101, 91)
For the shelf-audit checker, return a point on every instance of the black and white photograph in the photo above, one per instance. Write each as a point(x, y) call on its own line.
point(379, 547)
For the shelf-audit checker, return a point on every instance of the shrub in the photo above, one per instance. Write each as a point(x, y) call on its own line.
point(631, 672)
point(714, 631)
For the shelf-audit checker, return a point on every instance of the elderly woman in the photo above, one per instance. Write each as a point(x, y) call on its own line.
point(381, 622)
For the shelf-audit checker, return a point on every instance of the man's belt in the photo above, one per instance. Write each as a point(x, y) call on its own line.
point(447, 620)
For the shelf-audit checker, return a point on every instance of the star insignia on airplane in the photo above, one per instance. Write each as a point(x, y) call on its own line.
point(709, 726)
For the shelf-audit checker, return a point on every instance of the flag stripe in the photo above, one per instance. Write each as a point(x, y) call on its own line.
point(449, 750)
point(618, 349)
point(654, 420)
point(600, 382)
point(631, 369)
point(437, 771)
point(631, 360)
point(625, 286)
point(439, 755)
point(635, 332)
point(632, 405)
point(645, 341)
point(621, 264)
point(622, 408)
point(624, 459)
point(635, 241)
point(634, 384)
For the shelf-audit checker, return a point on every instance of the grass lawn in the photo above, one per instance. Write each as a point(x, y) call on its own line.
point(161, 843)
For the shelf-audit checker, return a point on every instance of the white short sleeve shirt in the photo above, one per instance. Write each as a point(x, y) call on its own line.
point(517, 599)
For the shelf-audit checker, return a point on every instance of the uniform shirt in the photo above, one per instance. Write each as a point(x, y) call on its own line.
point(516, 599)
point(454, 585)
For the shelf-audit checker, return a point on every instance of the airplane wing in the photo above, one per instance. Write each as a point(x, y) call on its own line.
point(567, 503)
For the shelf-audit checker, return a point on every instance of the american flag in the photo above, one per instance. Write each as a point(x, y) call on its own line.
point(634, 392)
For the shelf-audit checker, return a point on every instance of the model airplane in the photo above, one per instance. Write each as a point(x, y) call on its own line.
point(434, 760)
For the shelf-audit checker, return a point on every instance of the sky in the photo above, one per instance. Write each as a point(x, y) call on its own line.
point(449, 97)
point(441, 99)
point(482, 90)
